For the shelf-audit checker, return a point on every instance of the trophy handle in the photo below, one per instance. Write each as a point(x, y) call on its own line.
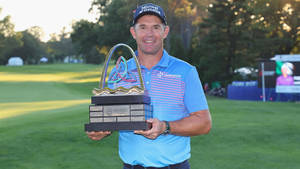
point(107, 59)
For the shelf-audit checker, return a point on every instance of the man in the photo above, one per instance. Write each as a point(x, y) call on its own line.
point(179, 106)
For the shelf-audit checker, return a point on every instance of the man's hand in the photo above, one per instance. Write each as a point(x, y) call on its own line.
point(97, 135)
point(158, 127)
point(197, 123)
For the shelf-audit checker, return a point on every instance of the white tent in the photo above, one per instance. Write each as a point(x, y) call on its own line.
point(287, 58)
point(44, 60)
point(15, 61)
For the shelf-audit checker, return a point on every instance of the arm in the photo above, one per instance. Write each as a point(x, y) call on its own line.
point(196, 124)
point(98, 135)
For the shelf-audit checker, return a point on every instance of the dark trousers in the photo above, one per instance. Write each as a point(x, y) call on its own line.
point(183, 165)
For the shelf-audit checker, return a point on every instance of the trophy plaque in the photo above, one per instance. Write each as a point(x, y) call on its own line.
point(119, 108)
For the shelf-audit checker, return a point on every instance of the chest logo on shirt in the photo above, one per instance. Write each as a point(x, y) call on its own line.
point(166, 75)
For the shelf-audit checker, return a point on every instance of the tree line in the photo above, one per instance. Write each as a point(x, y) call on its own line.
point(216, 36)
point(27, 44)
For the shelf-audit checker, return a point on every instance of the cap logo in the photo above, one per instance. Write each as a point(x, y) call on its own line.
point(150, 9)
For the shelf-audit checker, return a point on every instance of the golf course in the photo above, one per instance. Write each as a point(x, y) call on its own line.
point(43, 109)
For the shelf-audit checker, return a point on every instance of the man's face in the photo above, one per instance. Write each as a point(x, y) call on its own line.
point(149, 33)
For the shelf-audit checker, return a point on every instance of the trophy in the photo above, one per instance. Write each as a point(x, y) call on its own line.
point(119, 107)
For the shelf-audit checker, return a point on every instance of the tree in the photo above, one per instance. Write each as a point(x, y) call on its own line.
point(112, 28)
point(85, 38)
point(9, 40)
point(278, 25)
point(115, 18)
point(31, 50)
point(60, 46)
point(238, 32)
point(36, 31)
point(222, 43)
point(183, 16)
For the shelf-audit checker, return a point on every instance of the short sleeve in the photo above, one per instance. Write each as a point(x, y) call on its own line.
point(194, 97)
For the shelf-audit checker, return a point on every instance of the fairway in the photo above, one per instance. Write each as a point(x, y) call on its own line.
point(43, 110)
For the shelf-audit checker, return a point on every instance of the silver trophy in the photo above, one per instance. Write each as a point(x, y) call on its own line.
point(120, 108)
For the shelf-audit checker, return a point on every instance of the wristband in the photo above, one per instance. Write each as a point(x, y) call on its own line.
point(167, 131)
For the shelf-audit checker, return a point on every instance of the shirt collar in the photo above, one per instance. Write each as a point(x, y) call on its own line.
point(164, 61)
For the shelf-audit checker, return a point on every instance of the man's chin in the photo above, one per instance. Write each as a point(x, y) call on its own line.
point(146, 52)
point(150, 51)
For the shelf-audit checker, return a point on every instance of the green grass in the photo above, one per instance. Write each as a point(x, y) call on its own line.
point(37, 134)
point(250, 135)
point(48, 68)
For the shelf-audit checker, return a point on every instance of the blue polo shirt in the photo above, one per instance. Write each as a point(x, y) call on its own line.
point(175, 90)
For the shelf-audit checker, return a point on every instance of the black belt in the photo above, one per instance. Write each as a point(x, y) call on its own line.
point(173, 166)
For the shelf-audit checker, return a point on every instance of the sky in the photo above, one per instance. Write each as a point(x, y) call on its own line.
point(50, 15)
